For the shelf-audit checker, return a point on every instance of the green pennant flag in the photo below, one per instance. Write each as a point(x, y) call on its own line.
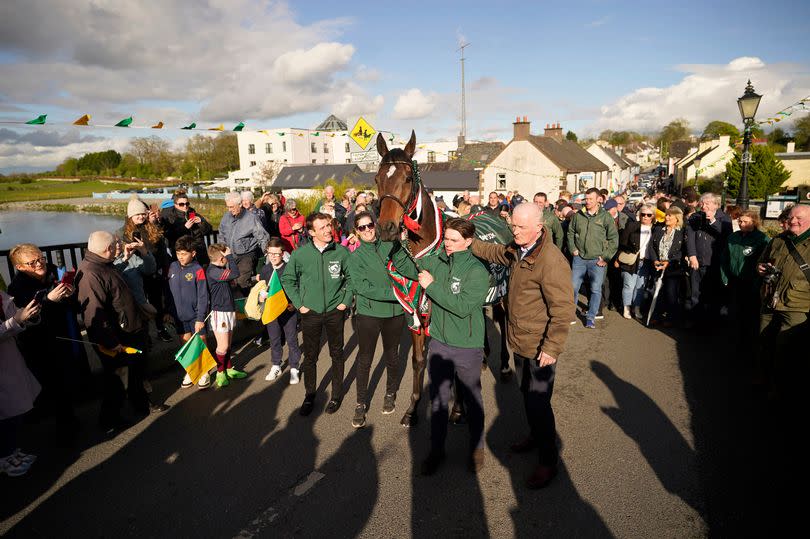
point(125, 122)
point(239, 126)
point(316, 134)
point(192, 125)
point(40, 120)
point(280, 134)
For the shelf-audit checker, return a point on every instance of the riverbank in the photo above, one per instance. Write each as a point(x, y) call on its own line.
point(28, 189)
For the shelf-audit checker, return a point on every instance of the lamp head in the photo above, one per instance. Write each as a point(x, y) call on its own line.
point(748, 103)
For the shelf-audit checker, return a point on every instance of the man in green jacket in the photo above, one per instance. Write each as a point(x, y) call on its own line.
point(592, 241)
point(378, 314)
point(315, 282)
point(457, 284)
point(550, 221)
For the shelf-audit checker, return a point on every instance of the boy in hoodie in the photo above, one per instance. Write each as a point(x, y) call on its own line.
point(189, 290)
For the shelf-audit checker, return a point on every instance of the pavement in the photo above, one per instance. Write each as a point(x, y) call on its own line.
point(648, 427)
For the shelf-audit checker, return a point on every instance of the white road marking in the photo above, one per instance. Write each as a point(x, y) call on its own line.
point(308, 483)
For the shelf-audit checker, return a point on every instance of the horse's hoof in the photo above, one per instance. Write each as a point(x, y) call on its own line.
point(408, 420)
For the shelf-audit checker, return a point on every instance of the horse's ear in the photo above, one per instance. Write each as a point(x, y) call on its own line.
point(382, 147)
point(410, 148)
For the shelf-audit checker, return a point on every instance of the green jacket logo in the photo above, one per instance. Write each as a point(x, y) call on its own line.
point(455, 286)
point(334, 269)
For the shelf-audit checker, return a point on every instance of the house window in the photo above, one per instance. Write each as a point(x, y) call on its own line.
point(284, 146)
point(431, 157)
point(346, 148)
point(253, 163)
point(500, 181)
point(313, 148)
point(348, 160)
point(313, 161)
point(452, 155)
point(268, 147)
point(251, 149)
point(326, 161)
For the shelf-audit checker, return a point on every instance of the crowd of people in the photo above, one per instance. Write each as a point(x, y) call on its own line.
point(673, 261)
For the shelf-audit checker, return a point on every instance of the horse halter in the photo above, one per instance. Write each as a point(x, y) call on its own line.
point(412, 204)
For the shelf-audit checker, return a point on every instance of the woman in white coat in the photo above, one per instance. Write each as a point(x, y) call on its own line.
point(18, 387)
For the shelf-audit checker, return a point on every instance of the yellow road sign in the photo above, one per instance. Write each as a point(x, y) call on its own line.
point(362, 133)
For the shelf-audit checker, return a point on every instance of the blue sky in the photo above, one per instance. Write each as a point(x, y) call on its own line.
point(591, 65)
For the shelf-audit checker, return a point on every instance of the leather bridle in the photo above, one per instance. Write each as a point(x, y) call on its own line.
point(410, 205)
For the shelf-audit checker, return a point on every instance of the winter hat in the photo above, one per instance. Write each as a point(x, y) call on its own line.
point(611, 204)
point(136, 206)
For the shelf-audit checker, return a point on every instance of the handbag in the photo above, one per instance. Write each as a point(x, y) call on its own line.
point(628, 259)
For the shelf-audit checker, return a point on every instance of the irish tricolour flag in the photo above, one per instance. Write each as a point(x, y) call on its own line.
point(276, 301)
point(195, 358)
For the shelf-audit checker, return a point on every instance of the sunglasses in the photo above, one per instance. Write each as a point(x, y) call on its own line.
point(182, 204)
point(646, 215)
point(363, 228)
point(35, 262)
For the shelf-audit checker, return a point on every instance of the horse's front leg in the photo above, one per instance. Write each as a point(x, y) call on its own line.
point(410, 417)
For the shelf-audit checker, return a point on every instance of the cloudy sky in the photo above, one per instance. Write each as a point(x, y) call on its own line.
point(589, 64)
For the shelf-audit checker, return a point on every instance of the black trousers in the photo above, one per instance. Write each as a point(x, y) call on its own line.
point(312, 325)
point(113, 392)
point(537, 385)
point(368, 328)
point(155, 287)
point(247, 269)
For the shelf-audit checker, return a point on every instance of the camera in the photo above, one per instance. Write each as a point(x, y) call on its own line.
point(772, 274)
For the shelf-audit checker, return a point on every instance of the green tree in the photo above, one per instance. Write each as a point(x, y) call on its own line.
point(69, 167)
point(779, 136)
point(801, 134)
point(571, 136)
point(674, 130)
point(766, 173)
point(717, 128)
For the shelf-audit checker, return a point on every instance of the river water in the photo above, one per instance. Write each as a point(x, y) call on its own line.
point(49, 228)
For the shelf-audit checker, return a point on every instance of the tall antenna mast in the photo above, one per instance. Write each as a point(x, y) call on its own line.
point(463, 92)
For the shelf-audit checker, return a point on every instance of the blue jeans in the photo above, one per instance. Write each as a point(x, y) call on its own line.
point(596, 274)
point(633, 284)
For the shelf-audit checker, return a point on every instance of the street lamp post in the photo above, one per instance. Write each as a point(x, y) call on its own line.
point(748, 104)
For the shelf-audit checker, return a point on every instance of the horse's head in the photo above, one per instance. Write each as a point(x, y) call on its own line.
point(395, 185)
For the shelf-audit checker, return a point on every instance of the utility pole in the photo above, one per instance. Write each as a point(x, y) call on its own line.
point(463, 133)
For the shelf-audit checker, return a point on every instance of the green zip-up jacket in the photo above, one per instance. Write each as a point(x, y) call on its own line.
point(460, 286)
point(554, 226)
point(593, 235)
point(739, 260)
point(317, 280)
point(369, 280)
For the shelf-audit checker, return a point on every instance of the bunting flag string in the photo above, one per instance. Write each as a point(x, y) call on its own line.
point(786, 112)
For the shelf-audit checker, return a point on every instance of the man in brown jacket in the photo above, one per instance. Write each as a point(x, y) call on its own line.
point(114, 321)
point(540, 307)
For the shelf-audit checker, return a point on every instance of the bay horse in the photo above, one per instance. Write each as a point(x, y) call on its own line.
point(399, 190)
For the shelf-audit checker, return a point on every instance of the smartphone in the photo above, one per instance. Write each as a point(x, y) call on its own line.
point(136, 235)
point(39, 296)
point(68, 277)
point(191, 215)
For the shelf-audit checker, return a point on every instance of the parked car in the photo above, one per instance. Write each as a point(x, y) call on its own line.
point(635, 197)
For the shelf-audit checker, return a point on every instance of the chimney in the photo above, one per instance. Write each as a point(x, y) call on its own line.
point(521, 129)
point(555, 132)
point(791, 147)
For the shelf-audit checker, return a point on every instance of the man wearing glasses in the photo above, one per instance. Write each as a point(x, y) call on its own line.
point(244, 233)
point(181, 220)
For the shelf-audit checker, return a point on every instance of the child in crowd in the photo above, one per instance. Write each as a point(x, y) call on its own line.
point(287, 321)
point(190, 294)
point(220, 273)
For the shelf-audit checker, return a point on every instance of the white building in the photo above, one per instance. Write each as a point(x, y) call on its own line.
point(708, 160)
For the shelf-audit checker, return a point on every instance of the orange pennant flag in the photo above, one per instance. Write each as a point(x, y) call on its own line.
point(158, 125)
point(220, 127)
point(83, 120)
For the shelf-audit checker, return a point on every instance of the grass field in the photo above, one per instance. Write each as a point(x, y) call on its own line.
point(212, 210)
point(21, 191)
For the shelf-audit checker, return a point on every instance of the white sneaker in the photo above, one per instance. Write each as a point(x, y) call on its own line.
point(626, 313)
point(187, 381)
point(274, 373)
point(204, 381)
point(294, 379)
point(13, 466)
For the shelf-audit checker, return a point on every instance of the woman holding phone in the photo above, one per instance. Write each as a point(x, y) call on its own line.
point(57, 364)
point(182, 220)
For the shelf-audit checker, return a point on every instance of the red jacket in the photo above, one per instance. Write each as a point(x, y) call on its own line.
point(289, 237)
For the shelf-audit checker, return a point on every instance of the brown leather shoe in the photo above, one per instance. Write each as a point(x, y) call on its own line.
point(523, 446)
point(541, 476)
point(476, 462)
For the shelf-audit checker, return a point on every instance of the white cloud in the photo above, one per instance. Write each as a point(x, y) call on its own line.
point(707, 92)
point(413, 105)
point(317, 62)
point(597, 23)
